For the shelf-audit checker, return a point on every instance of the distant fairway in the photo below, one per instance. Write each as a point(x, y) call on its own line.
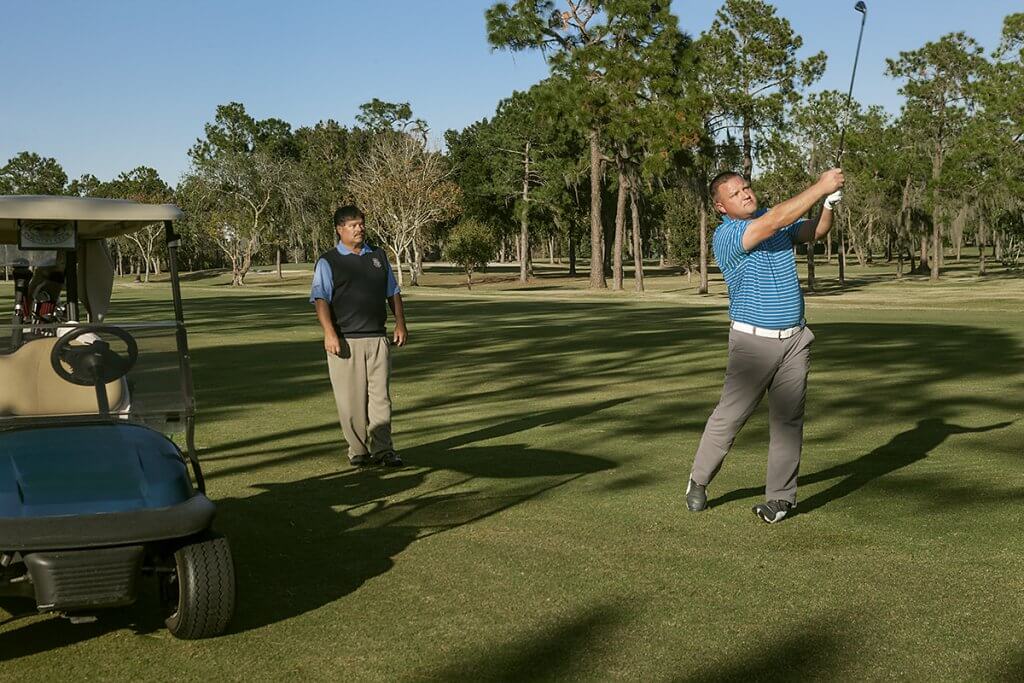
point(540, 530)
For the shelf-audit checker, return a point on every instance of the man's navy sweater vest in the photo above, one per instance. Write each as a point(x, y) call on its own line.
point(358, 300)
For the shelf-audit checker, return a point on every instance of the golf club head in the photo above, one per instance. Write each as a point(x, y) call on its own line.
point(861, 7)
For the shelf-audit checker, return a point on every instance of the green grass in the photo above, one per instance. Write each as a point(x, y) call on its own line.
point(540, 531)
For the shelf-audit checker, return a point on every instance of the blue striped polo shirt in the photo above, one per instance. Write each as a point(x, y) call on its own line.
point(763, 286)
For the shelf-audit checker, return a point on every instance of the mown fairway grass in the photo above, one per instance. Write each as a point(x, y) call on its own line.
point(539, 531)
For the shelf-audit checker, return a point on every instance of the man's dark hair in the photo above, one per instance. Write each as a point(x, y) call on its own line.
point(721, 178)
point(347, 213)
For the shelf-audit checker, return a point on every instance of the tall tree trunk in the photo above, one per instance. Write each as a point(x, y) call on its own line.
point(551, 250)
point(417, 253)
point(842, 250)
point(572, 245)
point(870, 240)
point(398, 265)
point(620, 229)
point(280, 275)
point(524, 220)
point(810, 266)
point(828, 248)
point(981, 249)
point(524, 247)
point(572, 255)
point(411, 263)
point(936, 236)
point(923, 259)
point(597, 280)
point(638, 252)
point(748, 150)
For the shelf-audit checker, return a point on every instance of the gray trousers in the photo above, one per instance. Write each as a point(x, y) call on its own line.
point(361, 379)
point(758, 365)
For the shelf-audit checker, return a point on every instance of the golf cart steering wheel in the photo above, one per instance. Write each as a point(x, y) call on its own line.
point(93, 364)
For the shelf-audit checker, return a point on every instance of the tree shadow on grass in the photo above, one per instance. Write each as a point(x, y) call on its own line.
point(304, 544)
point(1007, 670)
point(551, 653)
point(566, 650)
point(802, 654)
point(902, 450)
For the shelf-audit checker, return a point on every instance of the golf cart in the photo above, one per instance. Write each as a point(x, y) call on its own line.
point(93, 493)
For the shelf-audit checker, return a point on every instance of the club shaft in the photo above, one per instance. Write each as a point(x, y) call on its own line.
point(849, 94)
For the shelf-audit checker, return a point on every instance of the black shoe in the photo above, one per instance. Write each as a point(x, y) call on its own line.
point(696, 496)
point(774, 510)
point(359, 460)
point(388, 459)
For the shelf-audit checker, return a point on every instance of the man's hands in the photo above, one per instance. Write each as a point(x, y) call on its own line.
point(831, 180)
point(833, 199)
point(401, 334)
point(332, 344)
point(831, 183)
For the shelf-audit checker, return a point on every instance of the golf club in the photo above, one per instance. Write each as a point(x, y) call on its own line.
point(863, 9)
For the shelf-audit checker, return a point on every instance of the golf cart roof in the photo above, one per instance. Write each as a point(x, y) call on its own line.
point(97, 218)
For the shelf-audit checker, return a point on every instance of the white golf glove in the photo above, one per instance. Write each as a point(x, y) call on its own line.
point(833, 199)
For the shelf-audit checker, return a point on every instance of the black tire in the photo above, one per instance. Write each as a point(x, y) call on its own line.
point(199, 595)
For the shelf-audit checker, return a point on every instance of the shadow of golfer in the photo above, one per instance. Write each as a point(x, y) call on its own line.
point(902, 450)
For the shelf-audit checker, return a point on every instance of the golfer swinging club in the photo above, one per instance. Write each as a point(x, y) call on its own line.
point(769, 341)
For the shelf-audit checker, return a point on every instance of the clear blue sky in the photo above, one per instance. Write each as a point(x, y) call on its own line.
point(107, 86)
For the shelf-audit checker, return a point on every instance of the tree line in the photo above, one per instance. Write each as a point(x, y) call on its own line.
point(607, 160)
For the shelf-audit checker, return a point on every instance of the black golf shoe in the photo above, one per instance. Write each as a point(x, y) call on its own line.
point(388, 459)
point(774, 510)
point(359, 460)
point(696, 496)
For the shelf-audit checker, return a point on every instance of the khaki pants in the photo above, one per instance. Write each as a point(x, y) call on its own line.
point(756, 366)
point(361, 377)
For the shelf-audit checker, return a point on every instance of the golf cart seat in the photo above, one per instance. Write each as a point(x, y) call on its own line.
point(29, 386)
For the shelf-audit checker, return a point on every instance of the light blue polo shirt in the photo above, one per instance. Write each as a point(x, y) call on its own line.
point(323, 280)
point(764, 289)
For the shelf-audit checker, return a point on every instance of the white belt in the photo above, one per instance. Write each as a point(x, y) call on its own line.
point(764, 332)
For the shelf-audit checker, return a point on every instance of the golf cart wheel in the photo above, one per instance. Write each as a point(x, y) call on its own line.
point(200, 593)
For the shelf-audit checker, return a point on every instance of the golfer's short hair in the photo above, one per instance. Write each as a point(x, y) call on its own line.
point(722, 178)
point(347, 213)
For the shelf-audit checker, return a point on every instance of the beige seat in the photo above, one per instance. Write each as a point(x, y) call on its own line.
point(29, 386)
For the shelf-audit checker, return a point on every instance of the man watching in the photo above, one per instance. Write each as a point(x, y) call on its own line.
point(350, 286)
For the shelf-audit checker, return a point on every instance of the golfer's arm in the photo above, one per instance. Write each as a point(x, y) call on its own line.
point(780, 216)
point(323, 314)
point(824, 223)
point(815, 229)
point(397, 309)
